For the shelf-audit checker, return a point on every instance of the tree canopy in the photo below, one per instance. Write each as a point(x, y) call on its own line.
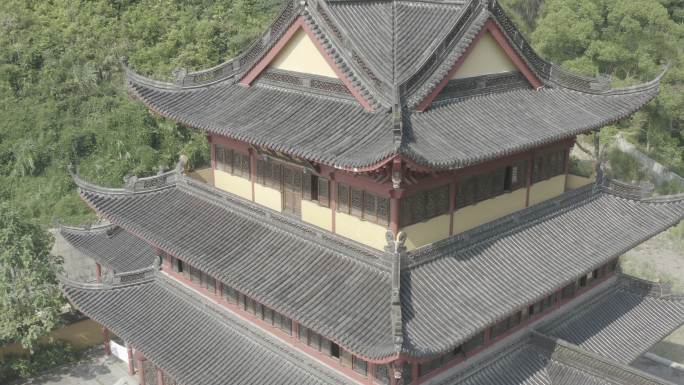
point(30, 301)
point(629, 40)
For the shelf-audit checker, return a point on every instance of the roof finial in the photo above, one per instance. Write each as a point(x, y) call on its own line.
point(182, 162)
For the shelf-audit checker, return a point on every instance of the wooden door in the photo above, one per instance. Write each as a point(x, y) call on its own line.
point(292, 191)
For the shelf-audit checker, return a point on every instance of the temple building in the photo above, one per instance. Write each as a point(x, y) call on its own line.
point(389, 202)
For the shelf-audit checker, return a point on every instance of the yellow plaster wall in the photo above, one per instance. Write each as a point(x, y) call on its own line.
point(424, 233)
point(576, 181)
point(205, 175)
point(268, 197)
point(300, 54)
point(545, 190)
point(487, 57)
point(478, 214)
point(317, 215)
point(365, 232)
point(233, 184)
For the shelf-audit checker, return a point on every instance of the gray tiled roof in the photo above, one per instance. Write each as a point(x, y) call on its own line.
point(458, 286)
point(292, 122)
point(539, 360)
point(340, 133)
point(193, 340)
point(111, 246)
point(395, 37)
point(336, 288)
point(389, 50)
point(449, 291)
point(622, 323)
point(152, 314)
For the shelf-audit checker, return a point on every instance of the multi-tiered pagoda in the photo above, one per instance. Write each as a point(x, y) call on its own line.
point(389, 202)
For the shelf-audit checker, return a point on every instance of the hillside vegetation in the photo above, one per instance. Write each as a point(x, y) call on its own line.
point(62, 99)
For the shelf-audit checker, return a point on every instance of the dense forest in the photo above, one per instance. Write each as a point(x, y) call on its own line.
point(62, 98)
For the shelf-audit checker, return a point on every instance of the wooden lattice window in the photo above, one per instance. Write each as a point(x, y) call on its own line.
point(424, 205)
point(323, 192)
point(356, 202)
point(548, 165)
point(359, 365)
point(229, 294)
point(474, 342)
point(343, 198)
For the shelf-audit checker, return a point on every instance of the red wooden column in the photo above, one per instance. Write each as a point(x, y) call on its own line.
point(105, 338)
point(160, 377)
point(98, 272)
point(131, 367)
point(141, 368)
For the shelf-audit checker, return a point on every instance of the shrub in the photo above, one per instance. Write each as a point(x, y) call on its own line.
point(624, 167)
point(46, 357)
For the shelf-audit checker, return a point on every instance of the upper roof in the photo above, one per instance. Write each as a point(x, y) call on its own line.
point(392, 55)
point(342, 290)
point(111, 246)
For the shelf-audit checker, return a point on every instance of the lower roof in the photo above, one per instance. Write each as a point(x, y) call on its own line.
point(111, 247)
point(336, 288)
point(540, 360)
point(450, 291)
point(193, 340)
point(196, 341)
point(624, 322)
point(457, 287)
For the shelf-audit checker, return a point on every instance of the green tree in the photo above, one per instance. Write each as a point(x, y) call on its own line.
point(30, 301)
point(629, 40)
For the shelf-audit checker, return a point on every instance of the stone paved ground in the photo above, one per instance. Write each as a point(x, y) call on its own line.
point(96, 369)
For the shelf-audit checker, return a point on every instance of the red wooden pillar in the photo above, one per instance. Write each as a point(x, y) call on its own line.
point(530, 168)
point(414, 373)
point(105, 339)
point(131, 367)
point(98, 272)
point(160, 377)
point(141, 368)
